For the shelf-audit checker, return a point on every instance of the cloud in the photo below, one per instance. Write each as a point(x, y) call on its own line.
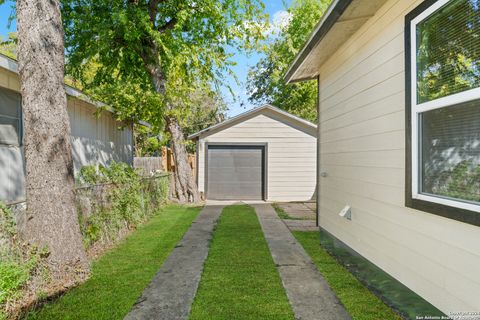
point(280, 20)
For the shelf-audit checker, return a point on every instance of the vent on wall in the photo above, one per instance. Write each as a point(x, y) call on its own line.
point(346, 213)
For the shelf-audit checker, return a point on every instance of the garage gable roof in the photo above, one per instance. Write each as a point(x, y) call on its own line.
point(267, 110)
point(341, 20)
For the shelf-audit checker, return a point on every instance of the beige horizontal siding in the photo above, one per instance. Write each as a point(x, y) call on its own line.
point(291, 156)
point(378, 124)
point(416, 243)
point(362, 125)
point(383, 141)
point(384, 89)
point(410, 219)
point(384, 105)
point(403, 263)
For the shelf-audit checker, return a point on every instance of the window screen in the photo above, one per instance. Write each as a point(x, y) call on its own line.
point(450, 152)
point(10, 118)
point(448, 50)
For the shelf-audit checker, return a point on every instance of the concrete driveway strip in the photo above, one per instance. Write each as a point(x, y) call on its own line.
point(171, 292)
point(309, 294)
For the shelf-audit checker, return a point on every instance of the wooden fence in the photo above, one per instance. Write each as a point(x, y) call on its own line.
point(148, 165)
point(168, 162)
point(164, 163)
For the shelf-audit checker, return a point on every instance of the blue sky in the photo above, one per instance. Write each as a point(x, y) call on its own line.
point(238, 103)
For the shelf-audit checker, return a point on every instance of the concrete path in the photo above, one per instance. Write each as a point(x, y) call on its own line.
point(300, 225)
point(309, 294)
point(298, 210)
point(311, 205)
point(170, 294)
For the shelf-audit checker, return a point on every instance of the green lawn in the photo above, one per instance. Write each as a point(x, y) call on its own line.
point(119, 277)
point(357, 299)
point(240, 280)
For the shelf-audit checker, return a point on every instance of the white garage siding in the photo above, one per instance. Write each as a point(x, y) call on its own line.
point(362, 125)
point(95, 140)
point(291, 155)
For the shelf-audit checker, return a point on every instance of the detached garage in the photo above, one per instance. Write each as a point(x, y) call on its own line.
point(263, 154)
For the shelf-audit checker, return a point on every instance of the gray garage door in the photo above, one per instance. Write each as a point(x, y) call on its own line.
point(235, 172)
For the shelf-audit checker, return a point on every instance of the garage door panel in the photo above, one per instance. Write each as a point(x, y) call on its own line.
point(235, 158)
point(235, 191)
point(235, 172)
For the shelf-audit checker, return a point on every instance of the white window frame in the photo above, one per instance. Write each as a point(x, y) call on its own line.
point(418, 108)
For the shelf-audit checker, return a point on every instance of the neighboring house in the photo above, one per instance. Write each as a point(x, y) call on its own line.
point(95, 140)
point(262, 154)
point(399, 139)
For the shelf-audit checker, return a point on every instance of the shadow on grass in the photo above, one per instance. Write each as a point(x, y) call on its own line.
point(359, 302)
point(120, 276)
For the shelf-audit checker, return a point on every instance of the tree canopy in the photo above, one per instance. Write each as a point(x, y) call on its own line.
point(266, 83)
point(160, 52)
point(190, 38)
point(8, 46)
point(206, 109)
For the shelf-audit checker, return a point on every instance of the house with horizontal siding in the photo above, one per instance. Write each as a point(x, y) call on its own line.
point(262, 154)
point(399, 140)
point(95, 139)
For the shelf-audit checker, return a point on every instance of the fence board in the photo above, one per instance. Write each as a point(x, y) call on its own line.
point(148, 165)
point(168, 162)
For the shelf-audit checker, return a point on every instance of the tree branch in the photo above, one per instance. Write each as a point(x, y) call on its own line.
point(153, 9)
point(169, 25)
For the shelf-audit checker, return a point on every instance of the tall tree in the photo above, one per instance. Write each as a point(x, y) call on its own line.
point(51, 216)
point(206, 108)
point(266, 83)
point(164, 47)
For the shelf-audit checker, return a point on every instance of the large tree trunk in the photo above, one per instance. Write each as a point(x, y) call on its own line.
point(51, 215)
point(185, 187)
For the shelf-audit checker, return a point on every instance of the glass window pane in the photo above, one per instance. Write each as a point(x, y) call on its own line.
point(10, 104)
point(450, 152)
point(9, 131)
point(448, 50)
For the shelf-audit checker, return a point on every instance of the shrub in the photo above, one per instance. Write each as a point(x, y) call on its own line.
point(131, 199)
point(7, 221)
point(14, 274)
point(17, 264)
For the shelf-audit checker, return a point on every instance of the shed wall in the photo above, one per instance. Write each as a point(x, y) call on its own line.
point(291, 156)
point(95, 140)
point(362, 149)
